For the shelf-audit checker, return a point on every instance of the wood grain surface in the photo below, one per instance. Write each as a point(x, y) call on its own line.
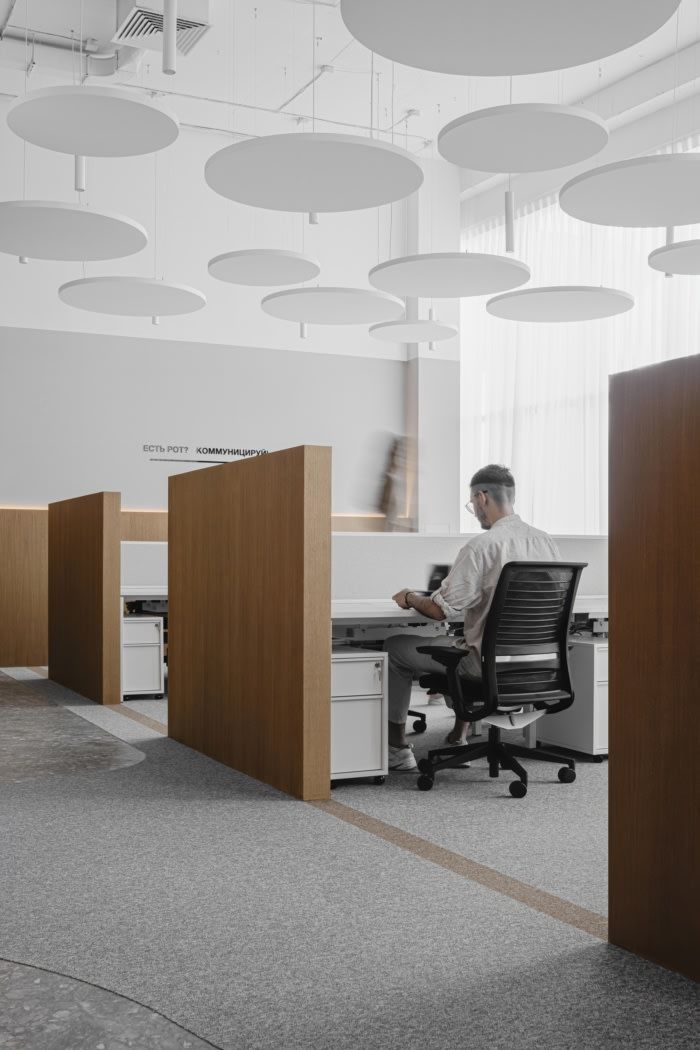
point(144, 525)
point(249, 616)
point(24, 576)
point(655, 663)
point(84, 602)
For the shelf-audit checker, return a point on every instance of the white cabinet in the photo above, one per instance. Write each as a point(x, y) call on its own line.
point(583, 726)
point(358, 715)
point(142, 656)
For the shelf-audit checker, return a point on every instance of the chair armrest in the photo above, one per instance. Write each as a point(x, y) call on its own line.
point(447, 655)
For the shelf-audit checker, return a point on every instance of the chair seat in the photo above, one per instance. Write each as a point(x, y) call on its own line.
point(514, 720)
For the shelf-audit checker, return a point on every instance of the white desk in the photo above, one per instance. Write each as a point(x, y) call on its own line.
point(379, 611)
point(366, 614)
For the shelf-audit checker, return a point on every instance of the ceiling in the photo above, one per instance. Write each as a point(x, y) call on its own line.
point(252, 72)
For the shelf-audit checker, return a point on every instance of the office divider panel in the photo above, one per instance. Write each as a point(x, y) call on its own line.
point(655, 663)
point(84, 613)
point(145, 525)
point(249, 616)
point(24, 557)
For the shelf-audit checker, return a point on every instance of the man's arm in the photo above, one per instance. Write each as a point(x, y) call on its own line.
point(408, 599)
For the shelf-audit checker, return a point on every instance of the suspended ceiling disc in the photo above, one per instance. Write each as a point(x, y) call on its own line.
point(412, 331)
point(563, 303)
point(683, 257)
point(333, 306)
point(501, 37)
point(92, 121)
point(70, 232)
point(313, 172)
point(643, 191)
point(448, 275)
point(523, 137)
point(131, 296)
point(263, 266)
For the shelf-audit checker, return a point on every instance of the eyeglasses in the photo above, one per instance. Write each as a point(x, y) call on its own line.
point(470, 505)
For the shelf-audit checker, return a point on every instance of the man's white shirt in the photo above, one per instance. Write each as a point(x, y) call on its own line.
point(468, 589)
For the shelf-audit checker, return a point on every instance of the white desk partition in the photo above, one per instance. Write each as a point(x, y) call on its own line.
point(376, 565)
point(144, 569)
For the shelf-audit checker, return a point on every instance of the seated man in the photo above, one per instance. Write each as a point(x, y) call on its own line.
point(467, 591)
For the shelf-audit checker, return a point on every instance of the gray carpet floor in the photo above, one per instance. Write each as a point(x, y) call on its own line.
point(257, 921)
point(555, 838)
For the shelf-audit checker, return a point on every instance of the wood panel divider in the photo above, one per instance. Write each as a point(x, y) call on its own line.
point(655, 663)
point(84, 605)
point(249, 616)
point(24, 584)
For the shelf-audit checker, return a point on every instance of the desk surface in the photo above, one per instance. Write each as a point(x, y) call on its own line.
point(145, 590)
point(384, 610)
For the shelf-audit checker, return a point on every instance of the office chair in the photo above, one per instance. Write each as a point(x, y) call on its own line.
point(524, 660)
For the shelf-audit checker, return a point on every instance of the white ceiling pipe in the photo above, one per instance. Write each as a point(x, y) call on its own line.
point(510, 234)
point(169, 36)
point(80, 174)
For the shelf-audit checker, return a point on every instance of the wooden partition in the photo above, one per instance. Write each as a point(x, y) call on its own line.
point(655, 663)
point(144, 525)
point(24, 563)
point(84, 609)
point(249, 616)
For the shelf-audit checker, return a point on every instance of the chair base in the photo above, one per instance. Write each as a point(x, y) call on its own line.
point(498, 755)
point(421, 723)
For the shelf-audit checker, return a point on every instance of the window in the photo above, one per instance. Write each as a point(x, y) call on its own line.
point(535, 396)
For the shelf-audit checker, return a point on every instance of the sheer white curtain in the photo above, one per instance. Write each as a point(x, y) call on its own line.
point(535, 396)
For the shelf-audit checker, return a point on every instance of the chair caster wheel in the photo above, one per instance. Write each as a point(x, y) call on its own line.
point(566, 775)
point(425, 766)
point(425, 782)
point(419, 726)
point(517, 789)
point(379, 780)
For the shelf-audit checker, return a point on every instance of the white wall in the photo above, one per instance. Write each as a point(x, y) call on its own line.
point(77, 410)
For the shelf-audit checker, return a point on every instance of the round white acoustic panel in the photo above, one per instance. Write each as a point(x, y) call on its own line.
point(448, 275)
point(428, 331)
point(313, 172)
point(522, 137)
point(263, 266)
point(501, 37)
point(333, 306)
point(92, 121)
point(131, 296)
point(563, 303)
point(69, 232)
point(643, 191)
point(682, 258)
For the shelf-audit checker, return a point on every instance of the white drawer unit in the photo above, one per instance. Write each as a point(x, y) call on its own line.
point(142, 656)
point(583, 726)
point(359, 715)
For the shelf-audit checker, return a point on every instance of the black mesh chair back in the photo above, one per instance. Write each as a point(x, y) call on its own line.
point(524, 652)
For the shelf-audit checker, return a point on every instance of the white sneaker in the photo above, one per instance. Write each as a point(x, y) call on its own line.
point(436, 700)
point(401, 759)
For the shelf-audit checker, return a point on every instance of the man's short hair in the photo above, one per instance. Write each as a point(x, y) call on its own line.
point(497, 480)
